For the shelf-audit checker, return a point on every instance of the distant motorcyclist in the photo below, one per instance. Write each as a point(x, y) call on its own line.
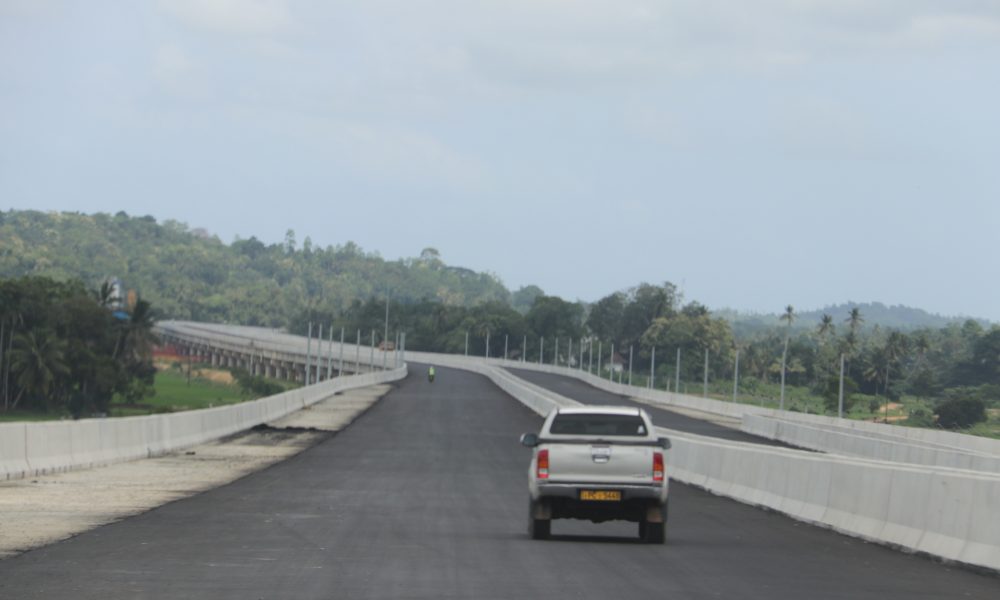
point(430, 374)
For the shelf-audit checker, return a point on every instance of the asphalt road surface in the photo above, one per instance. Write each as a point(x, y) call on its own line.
point(424, 496)
point(587, 394)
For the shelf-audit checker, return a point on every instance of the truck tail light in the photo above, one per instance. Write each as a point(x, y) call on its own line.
point(657, 466)
point(542, 468)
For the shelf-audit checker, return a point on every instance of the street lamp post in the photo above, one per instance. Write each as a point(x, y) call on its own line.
point(652, 369)
point(630, 365)
point(736, 375)
point(309, 339)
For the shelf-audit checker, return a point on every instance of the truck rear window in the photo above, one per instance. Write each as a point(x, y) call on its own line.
point(584, 424)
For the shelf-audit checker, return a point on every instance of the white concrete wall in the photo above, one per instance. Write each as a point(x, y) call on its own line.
point(28, 449)
point(849, 442)
point(946, 513)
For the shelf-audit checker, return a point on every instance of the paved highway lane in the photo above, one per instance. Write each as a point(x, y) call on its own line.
point(587, 394)
point(424, 496)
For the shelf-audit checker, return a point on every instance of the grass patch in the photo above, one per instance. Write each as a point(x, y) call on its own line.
point(27, 415)
point(208, 388)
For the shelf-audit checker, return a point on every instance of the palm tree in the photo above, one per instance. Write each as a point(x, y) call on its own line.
point(854, 320)
point(825, 327)
point(922, 345)
point(105, 296)
point(136, 341)
point(38, 360)
point(895, 346)
point(788, 317)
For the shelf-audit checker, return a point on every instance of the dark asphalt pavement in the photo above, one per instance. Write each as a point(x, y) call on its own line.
point(425, 496)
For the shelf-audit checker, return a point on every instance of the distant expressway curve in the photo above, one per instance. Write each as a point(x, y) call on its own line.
point(425, 496)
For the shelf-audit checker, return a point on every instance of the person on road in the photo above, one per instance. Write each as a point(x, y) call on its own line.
point(430, 374)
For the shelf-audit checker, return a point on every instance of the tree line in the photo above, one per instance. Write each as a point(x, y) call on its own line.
point(65, 348)
point(956, 365)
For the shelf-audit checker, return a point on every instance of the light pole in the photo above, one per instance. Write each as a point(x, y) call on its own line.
point(736, 375)
point(704, 387)
point(340, 367)
point(677, 373)
point(784, 354)
point(630, 365)
point(309, 339)
point(840, 394)
point(652, 369)
point(319, 352)
point(505, 336)
point(329, 355)
point(611, 363)
point(385, 335)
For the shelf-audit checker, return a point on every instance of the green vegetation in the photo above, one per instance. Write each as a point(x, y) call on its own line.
point(65, 352)
point(190, 274)
point(175, 392)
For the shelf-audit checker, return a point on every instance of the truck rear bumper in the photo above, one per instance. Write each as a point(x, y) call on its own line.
point(629, 492)
point(638, 503)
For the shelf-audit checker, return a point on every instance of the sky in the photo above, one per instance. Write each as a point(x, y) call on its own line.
point(757, 154)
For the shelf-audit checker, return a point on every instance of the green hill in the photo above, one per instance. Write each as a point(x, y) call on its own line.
point(190, 274)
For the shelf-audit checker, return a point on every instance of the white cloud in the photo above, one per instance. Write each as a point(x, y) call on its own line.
point(379, 151)
point(177, 73)
point(825, 129)
point(231, 16)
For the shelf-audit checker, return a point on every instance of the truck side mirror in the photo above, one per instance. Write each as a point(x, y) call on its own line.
point(664, 443)
point(529, 439)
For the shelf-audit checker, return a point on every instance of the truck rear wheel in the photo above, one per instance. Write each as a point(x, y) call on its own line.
point(653, 533)
point(538, 529)
point(653, 528)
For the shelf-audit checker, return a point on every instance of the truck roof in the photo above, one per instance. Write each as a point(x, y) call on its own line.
point(599, 410)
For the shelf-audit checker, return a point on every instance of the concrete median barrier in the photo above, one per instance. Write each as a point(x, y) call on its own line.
point(876, 445)
point(944, 513)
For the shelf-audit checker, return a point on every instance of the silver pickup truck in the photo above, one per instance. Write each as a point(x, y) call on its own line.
point(598, 463)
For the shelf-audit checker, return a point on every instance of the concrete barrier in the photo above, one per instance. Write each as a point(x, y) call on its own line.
point(944, 513)
point(876, 445)
point(13, 450)
point(933, 438)
point(28, 449)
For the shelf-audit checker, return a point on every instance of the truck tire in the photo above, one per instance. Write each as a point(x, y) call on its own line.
point(654, 532)
point(538, 529)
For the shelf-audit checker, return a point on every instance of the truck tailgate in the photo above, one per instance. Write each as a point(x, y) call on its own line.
point(600, 463)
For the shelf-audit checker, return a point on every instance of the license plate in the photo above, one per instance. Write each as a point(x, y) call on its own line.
point(601, 495)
